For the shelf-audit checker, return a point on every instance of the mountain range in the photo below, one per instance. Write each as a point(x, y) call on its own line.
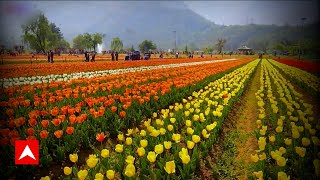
point(133, 24)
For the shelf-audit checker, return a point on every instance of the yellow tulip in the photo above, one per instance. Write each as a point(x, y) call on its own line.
point(288, 141)
point(176, 137)
point(155, 133)
point(162, 131)
point(172, 120)
point(128, 141)
point(152, 156)
point(158, 148)
point(279, 129)
point(130, 159)
point(281, 161)
point(184, 156)
point(143, 143)
point(195, 117)
point(99, 176)
point(141, 151)
point(262, 156)
point(196, 138)
point(119, 148)
point(170, 127)
point(186, 113)
point(154, 114)
point(188, 123)
point(130, 170)
point(143, 133)
point(283, 176)
point(82, 174)
point(120, 137)
point(258, 175)
point(282, 150)
point(205, 134)
point(67, 170)
point(305, 142)
point(315, 140)
point(92, 162)
point(129, 132)
point(254, 158)
point(73, 157)
point(45, 178)
point(170, 167)
point(262, 143)
point(167, 144)
point(301, 151)
point(105, 153)
point(190, 144)
point(190, 130)
point(110, 174)
point(272, 138)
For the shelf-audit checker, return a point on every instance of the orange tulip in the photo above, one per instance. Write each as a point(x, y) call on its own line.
point(32, 122)
point(30, 131)
point(44, 134)
point(100, 137)
point(70, 130)
point(44, 123)
point(58, 134)
point(122, 114)
point(114, 108)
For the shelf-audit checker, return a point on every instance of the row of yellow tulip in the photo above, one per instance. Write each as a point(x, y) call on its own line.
point(284, 128)
point(307, 79)
point(169, 144)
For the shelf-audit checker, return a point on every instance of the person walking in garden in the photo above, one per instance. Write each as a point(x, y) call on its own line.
point(51, 56)
point(116, 55)
point(112, 56)
point(85, 55)
point(93, 56)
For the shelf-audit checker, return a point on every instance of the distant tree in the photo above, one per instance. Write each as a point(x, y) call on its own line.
point(79, 42)
point(146, 45)
point(131, 49)
point(186, 49)
point(220, 45)
point(96, 39)
point(87, 41)
point(116, 44)
point(38, 34)
point(208, 49)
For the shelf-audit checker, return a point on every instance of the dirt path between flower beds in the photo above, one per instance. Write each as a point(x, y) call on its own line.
point(230, 157)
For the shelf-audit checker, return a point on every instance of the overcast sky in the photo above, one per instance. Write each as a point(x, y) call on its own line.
point(67, 14)
point(258, 12)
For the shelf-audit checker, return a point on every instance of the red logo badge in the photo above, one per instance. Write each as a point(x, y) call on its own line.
point(27, 152)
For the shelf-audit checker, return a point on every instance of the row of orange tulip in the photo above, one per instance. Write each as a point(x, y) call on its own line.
point(25, 70)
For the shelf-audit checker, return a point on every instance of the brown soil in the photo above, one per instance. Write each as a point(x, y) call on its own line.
point(246, 125)
point(242, 120)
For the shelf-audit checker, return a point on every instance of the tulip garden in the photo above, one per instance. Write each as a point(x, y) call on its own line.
point(155, 119)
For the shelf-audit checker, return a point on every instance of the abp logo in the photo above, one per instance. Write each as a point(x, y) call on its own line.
point(26, 152)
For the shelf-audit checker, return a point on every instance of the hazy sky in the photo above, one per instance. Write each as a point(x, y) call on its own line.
point(67, 14)
point(260, 12)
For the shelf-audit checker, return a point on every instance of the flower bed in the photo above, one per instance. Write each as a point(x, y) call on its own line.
point(286, 130)
point(170, 144)
point(304, 79)
point(28, 70)
point(313, 67)
point(72, 123)
point(8, 82)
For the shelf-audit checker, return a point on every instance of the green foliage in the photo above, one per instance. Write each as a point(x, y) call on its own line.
point(220, 44)
point(88, 41)
point(42, 35)
point(116, 44)
point(146, 45)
